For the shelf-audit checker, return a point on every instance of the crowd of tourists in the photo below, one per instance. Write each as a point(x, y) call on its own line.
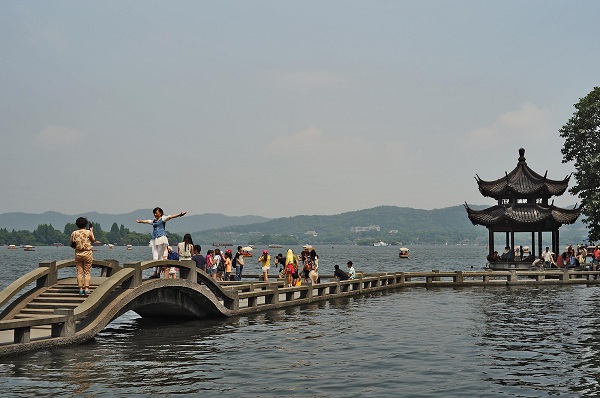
point(294, 269)
point(570, 258)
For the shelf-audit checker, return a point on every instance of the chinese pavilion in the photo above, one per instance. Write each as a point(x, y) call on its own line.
point(523, 206)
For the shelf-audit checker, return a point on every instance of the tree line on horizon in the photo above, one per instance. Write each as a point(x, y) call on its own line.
point(46, 234)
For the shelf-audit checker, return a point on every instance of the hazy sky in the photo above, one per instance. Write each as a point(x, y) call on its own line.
point(282, 108)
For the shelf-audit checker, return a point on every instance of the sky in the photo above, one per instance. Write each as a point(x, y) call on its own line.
point(284, 108)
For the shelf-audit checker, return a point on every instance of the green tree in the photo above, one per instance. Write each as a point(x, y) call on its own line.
point(46, 235)
point(114, 236)
point(582, 145)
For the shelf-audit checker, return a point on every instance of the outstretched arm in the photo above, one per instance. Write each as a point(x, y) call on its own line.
point(144, 221)
point(183, 213)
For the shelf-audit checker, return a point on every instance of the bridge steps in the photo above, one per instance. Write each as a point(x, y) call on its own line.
point(51, 306)
point(29, 312)
point(62, 295)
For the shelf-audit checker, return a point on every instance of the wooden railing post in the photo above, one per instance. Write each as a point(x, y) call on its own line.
point(52, 277)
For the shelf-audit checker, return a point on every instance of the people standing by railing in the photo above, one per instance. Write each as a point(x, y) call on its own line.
point(171, 272)
point(314, 272)
point(339, 274)
point(291, 268)
point(198, 258)
point(211, 268)
point(238, 263)
point(280, 260)
point(219, 264)
point(159, 240)
point(185, 248)
point(351, 270)
point(548, 257)
point(227, 265)
point(265, 263)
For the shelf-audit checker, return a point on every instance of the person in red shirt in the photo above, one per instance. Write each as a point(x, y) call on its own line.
point(560, 260)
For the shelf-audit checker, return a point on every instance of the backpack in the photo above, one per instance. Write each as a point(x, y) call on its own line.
point(173, 256)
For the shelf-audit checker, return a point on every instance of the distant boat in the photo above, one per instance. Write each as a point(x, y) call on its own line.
point(275, 246)
point(129, 247)
point(12, 246)
point(380, 244)
point(28, 248)
point(403, 252)
point(247, 251)
point(58, 244)
point(110, 245)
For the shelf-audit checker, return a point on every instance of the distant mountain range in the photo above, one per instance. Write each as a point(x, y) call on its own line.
point(391, 224)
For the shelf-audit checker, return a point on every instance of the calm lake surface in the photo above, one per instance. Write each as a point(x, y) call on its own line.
point(471, 342)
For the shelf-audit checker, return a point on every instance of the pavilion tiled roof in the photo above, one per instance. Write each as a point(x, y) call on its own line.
point(524, 214)
point(523, 181)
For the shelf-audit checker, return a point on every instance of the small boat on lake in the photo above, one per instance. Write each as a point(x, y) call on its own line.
point(28, 248)
point(403, 252)
point(380, 244)
point(129, 247)
point(247, 251)
point(12, 246)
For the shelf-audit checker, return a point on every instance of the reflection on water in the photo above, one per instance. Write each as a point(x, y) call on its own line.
point(484, 342)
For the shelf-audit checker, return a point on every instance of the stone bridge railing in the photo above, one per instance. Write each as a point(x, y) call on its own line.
point(253, 296)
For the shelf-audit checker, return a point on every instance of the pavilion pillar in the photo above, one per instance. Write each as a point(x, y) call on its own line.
point(533, 244)
point(540, 242)
point(507, 240)
point(491, 241)
point(512, 242)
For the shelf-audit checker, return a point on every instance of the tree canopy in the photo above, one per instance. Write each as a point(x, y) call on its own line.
point(582, 145)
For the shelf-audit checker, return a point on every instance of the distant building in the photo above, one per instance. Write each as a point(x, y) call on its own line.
point(366, 229)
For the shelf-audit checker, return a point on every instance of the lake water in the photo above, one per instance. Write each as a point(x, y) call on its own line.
point(470, 342)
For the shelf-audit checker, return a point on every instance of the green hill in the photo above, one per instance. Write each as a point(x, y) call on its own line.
point(390, 224)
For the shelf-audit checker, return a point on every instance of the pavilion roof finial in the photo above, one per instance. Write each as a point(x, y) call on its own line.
point(521, 155)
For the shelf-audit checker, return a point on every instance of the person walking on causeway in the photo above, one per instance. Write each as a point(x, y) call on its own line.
point(159, 240)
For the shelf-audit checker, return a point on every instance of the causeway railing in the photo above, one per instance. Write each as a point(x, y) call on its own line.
point(255, 295)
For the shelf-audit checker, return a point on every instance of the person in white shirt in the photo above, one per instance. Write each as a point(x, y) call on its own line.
point(351, 271)
point(548, 257)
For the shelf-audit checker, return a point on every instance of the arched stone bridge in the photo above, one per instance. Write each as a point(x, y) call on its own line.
point(46, 310)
